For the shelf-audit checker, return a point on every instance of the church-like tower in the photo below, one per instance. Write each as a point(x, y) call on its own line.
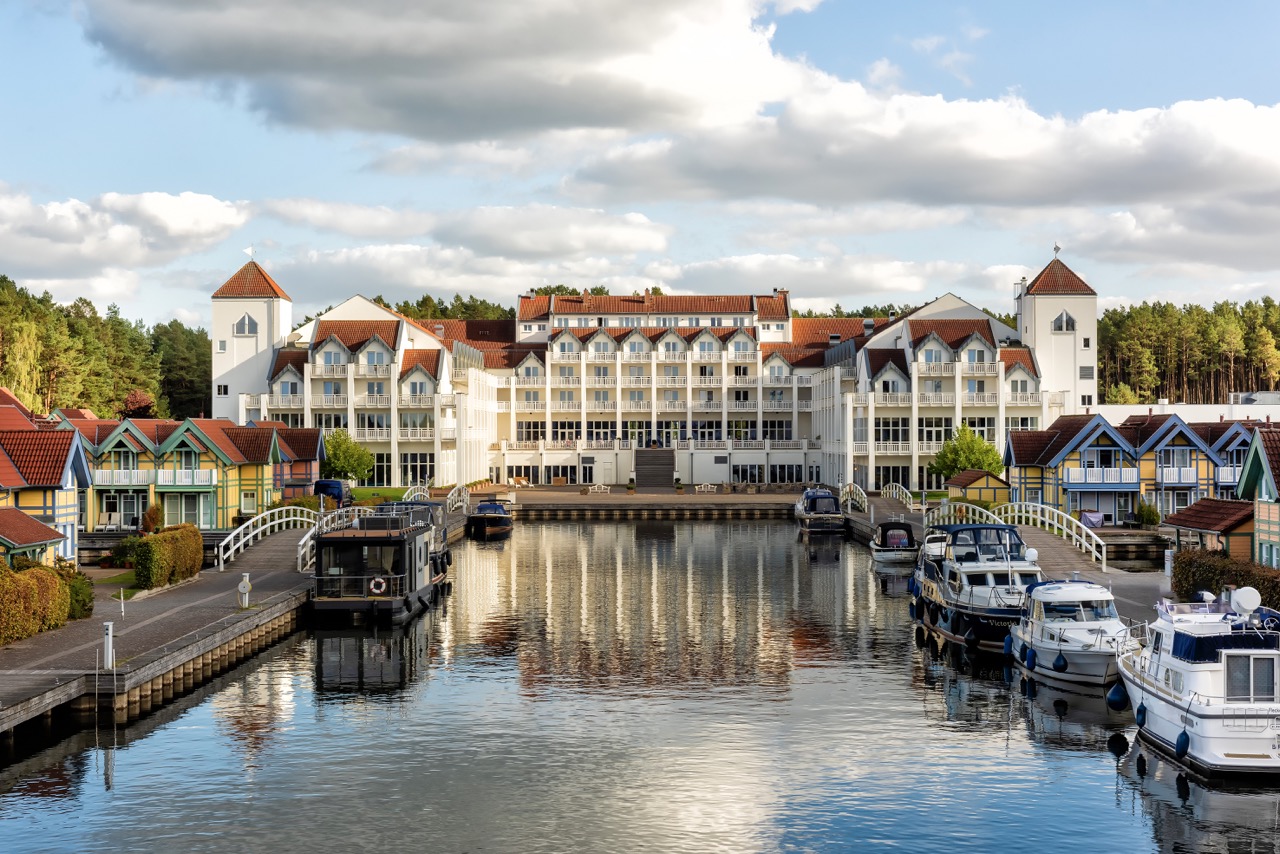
point(1058, 319)
point(252, 316)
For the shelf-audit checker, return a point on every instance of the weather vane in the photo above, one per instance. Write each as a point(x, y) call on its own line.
point(1056, 249)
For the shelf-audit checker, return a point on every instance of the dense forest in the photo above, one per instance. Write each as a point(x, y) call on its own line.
point(54, 355)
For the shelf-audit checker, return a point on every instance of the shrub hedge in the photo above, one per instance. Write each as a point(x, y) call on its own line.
point(33, 598)
point(1194, 571)
point(79, 587)
point(172, 555)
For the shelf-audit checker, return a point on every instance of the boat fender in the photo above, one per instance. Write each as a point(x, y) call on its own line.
point(378, 586)
point(933, 614)
point(1060, 663)
point(1008, 645)
point(1022, 686)
point(1118, 745)
point(920, 636)
point(1060, 708)
point(1140, 715)
point(1031, 689)
point(1183, 744)
point(1022, 653)
point(1117, 697)
point(1183, 786)
point(1142, 765)
point(448, 557)
point(448, 588)
point(1007, 675)
point(1031, 659)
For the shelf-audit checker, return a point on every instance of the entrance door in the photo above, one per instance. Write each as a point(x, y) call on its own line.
point(606, 471)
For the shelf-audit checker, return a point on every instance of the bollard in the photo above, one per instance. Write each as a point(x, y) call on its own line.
point(1168, 563)
point(108, 646)
point(243, 589)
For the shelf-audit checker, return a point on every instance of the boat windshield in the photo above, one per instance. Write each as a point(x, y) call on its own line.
point(984, 544)
point(823, 504)
point(492, 508)
point(1080, 612)
point(897, 539)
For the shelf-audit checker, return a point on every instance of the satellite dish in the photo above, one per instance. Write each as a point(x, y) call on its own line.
point(1032, 555)
point(1245, 600)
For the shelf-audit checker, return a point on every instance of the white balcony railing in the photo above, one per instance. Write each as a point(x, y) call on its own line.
point(1177, 475)
point(1229, 474)
point(567, 381)
point(743, 356)
point(1111, 474)
point(557, 356)
point(672, 406)
point(777, 405)
point(635, 405)
point(566, 403)
point(777, 379)
point(329, 370)
point(417, 401)
point(602, 357)
point(445, 400)
point(367, 370)
point(523, 445)
point(637, 381)
point(253, 401)
point(710, 445)
point(605, 380)
point(374, 400)
point(741, 405)
point(284, 401)
point(536, 381)
point(980, 368)
point(373, 434)
point(123, 477)
point(893, 398)
point(860, 398)
point(504, 405)
point(706, 356)
point(530, 406)
point(936, 399)
point(988, 398)
point(707, 381)
point(417, 434)
point(751, 381)
point(671, 382)
point(898, 448)
point(804, 380)
point(927, 369)
point(329, 401)
point(929, 447)
point(448, 434)
point(786, 445)
point(1022, 398)
point(187, 477)
point(804, 405)
point(670, 355)
point(706, 406)
point(636, 357)
point(598, 404)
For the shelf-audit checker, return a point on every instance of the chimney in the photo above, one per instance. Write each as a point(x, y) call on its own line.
point(893, 315)
point(868, 326)
point(1221, 418)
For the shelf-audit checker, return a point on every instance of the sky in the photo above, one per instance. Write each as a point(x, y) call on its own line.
point(850, 152)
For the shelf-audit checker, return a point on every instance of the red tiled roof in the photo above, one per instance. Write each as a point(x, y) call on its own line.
point(1057, 436)
point(969, 477)
point(774, 307)
point(8, 398)
point(1058, 280)
point(11, 418)
point(18, 530)
point(275, 425)
point(10, 477)
point(96, 430)
point(290, 358)
point(303, 442)
point(1019, 356)
point(250, 282)
point(428, 359)
point(511, 358)
point(817, 331)
point(798, 357)
point(1270, 440)
point(254, 443)
point(1212, 514)
point(78, 413)
point(880, 357)
point(1029, 445)
point(1139, 428)
point(954, 333)
point(39, 455)
point(354, 334)
point(215, 430)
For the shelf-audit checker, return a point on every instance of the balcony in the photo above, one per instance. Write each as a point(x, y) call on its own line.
point(671, 355)
point(748, 445)
point(252, 401)
point(860, 398)
point(1177, 476)
point(535, 381)
point(417, 401)
point(636, 357)
point(706, 406)
point(893, 398)
point(367, 370)
point(565, 404)
point(329, 401)
point(751, 381)
point(894, 448)
point(777, 405)
point(804, 405)
point(706, 355)
point(284, 401)
point(504, 405)
point(777, 379)
point(417, 434)
point(929, 447)
point(742, 405)
point(373, 434)
point(377, 401)
point(530, 406)
point(602, 357)
point(1114, 476)
point(710, 445)
point(605, 380)
point(448, 434)
point(123, 477)
point(329, 370)
point(988, 398)
point(1229, 474)
point(707, 381)
point(936, 398)
point(1022, 398)
point(571, 356)
point(672, 406)
point(642, 381)
point(524, 445)
point(445, 400)
point(671, 382)
point(600, 404)
point(187, 477)
point(572, 381)
point(980, 369)
point(935, 369)
point(786, 445)
point(635, 405)
point(743, 355)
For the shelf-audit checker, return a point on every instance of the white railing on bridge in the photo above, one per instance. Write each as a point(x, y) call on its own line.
point(853, 496)
point(959, 513)
point(1056, 522)
point(264, 524)
point(334, 520)
point(898, 492)
point(459, 498)
point(417, 493)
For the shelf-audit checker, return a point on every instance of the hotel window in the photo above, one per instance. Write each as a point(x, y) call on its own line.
point(888, 386)
point(635, 371)
point(976, 356)
point(741, 395)
point(124, 460)
point(671, 370)
point(600, 397)
point(531, 370)
point(528, 327)
point(566, 347)
point(635, 346)
point(671, 348)
point(629, 320)
point(566, 397)
point(586, 321)
point(333, 357)
point(223, 391)
point(1018, 386)
point(934, 429)
point(706, 347)
point(418, 387)
point(777, 371)
point(717, 321)
point(246, 325)
point(602, 430)
point(706, 371)
point(740, 371)
point(331, 388)
point(1064, 323)
point(373, 421)
point(893, 430)
point(635, 396)
point(668, 321)
point(1025, 422)
point(933, 356)
point(695, 321)
point(602, 372)
point(375, 357)
point(741, 346)
point(562, 322)
point(984, 427)
point(739, 321)
point(248, 503)
point(777, 429)
point(776, 395)
point(1086, 400)
point(1084, 344)
point(542, 327)
point(671, 396)
point(374, 388)
point(381, 474)
point(976, 386)
point(288, 387)
point(600, 347)
point(330, 420)
point(531, 396)
point(222, 345)
point(530, 431)
point(566, 372)
point(931, 387)
point(417, 468)
point(416, 420)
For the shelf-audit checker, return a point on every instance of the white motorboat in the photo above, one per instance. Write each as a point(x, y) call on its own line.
point(1070, 633)
point(971, 586)
point(1203, 684)
point(894, 543)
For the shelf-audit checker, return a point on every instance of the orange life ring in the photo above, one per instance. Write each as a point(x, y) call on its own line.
point(378, 586)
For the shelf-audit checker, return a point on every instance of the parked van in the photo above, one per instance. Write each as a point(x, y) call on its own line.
point(337, 490)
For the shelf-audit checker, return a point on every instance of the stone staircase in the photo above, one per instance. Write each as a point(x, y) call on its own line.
point(655, 467)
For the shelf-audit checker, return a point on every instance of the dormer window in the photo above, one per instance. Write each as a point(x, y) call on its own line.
point(246, 326)
point(1064, 323)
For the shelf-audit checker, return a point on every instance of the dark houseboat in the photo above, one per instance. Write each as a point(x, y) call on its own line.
point(491, 520)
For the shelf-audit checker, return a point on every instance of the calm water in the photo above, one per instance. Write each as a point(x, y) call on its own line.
point(692, 687)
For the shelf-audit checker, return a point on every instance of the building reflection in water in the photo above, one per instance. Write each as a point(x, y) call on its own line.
point(360, 661)
point(632, 607)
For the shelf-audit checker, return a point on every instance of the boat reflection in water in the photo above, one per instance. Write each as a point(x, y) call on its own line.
point(371, 660)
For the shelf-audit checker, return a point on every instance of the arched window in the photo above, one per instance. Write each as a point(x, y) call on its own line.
point(1064, 323)
point(246, 326)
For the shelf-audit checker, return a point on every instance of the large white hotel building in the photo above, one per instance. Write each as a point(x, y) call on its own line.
point(582, 389)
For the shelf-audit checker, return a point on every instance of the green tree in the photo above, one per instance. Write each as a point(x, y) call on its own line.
point(346, 460)
point(566, 291)
point(186, 368)
point(1121, 394)
point(966, 450)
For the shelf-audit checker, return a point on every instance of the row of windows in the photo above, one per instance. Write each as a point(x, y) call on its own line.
point(661, 432)
point(639, 371)
point(416, 469)
point(971, 386)
point(641, 345)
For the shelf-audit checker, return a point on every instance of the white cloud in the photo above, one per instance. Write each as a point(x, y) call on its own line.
point(346, 218)
point(544, 231)
point(927, 44)
point(97, 239)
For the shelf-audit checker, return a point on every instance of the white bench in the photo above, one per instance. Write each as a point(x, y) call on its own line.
point(704, 487)
point(598, 487)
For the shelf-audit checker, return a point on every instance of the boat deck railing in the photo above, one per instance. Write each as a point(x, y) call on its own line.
point(360, 586)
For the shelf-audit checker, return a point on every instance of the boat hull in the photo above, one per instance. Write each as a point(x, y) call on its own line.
point(489, 528)
point(825, 524)
point(1223, 740)
point(1085, 668)
point(989, 627)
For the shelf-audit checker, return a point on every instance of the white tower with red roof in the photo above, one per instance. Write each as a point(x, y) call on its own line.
point(1058, 319)
point(252, 316)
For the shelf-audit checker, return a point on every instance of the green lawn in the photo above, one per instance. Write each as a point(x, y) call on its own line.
point(361, 493)
point(128, 579)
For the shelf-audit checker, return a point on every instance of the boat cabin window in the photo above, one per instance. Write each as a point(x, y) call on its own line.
point(975, 579)
point(896, 539)
point(1250, 678)
point(1080, 612)
point(823, 504)
point(953, 578)
point(360, 559)
point(1025, 578)
point(1000, 579)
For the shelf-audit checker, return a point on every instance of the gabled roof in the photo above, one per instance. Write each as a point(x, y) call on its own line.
point(511, 357)
point(797, 357)
point(290, 358)
point(817, 331)
point(250, 282)
point(1027, 447)
point(10, 477)
point(95, 431)
point(1156, 431)
point(1261, 465)
point(1020, 357)
point(69, 412)
point(20, 531)
point(11, 418)
point(1214, 515)
point(969, 477)
point(428, 360)
point(880, 358)
point(354, 334)
point(533, 307)
point(775, 307)
point(8, 398)
point(255, 444)
point(954, 332)
point(1057, 280)
point(303, 443)
point(1047, 447)
point(41, 456)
